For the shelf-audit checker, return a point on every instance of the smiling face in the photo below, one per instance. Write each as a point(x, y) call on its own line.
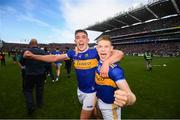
point(81, 40)
point(104, 49)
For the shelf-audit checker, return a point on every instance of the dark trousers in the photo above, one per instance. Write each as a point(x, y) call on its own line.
point(23, 78)
point(3, 62)
point(68, 66)
point(30, 82)
point(50, 71)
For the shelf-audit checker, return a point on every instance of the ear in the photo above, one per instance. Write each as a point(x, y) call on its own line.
point(112, 47)
point(75, 40)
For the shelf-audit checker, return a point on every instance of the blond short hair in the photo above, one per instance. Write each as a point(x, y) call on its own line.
point(104, 38)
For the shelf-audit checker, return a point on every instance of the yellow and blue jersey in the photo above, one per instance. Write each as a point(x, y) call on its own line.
point(105, 87)
point(85, 64)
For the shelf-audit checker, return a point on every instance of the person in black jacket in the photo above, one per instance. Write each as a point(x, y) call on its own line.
point(68, 63)
point(21, 63)
point(35, 76)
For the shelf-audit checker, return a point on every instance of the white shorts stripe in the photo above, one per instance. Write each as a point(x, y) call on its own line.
point(109, 111)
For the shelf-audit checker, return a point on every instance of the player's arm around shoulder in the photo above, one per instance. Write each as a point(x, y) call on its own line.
point(124, 96)
point(116, 56)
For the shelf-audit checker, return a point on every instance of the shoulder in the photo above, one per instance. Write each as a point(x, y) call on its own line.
point(93, 50)
point(70, 53)
point(37, 50)
point(116, 70)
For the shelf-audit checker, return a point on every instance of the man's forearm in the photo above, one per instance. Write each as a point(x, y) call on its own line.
point(49, 58)
point(117, 55)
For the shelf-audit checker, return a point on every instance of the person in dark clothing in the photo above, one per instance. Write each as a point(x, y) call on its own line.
point(21, 63)
point(35, 76)
point(3, 60)
point(68, 64)
point(13, 54)
point(49, 67)
point(9, 53)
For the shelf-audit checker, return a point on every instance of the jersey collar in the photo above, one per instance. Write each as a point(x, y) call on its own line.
point(85, 50)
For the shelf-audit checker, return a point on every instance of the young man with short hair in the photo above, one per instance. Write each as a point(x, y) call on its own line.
point(105, 87)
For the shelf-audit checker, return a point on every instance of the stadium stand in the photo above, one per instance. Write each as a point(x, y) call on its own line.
point(154, 26)
point(15, 47)
point(51, 46)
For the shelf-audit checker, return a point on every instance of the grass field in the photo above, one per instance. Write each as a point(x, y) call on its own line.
point(157, 91)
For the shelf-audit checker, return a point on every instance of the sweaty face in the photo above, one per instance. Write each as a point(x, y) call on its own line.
point(104, 49)
point(81, 40)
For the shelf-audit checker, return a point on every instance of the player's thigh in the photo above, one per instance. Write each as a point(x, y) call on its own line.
point(87, 100)
point(109, 114)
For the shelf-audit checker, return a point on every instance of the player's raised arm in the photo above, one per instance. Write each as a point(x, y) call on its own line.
point(124, 96)
point(44, 58)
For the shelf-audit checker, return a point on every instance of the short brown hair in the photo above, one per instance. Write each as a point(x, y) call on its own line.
point(80, 30)
point(105, 38)
point(33, 41)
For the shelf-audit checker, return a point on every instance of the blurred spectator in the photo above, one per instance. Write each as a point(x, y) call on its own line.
point(68, 64)
point(3, 58)
point(21, 63)
point(57, 64)
point(148, 59)
point(49, 71)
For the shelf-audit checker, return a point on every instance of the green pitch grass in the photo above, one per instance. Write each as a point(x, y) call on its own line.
point(157, 91)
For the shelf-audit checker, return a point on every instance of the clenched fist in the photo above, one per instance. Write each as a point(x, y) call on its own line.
point(27, 54)
point(123, 98)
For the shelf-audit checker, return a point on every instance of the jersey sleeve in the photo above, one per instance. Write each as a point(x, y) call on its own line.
point(96, 53)
point(116, 74)
point(70, 53)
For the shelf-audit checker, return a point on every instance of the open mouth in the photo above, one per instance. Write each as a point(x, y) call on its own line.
point(81, 45)
point(103, 54)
